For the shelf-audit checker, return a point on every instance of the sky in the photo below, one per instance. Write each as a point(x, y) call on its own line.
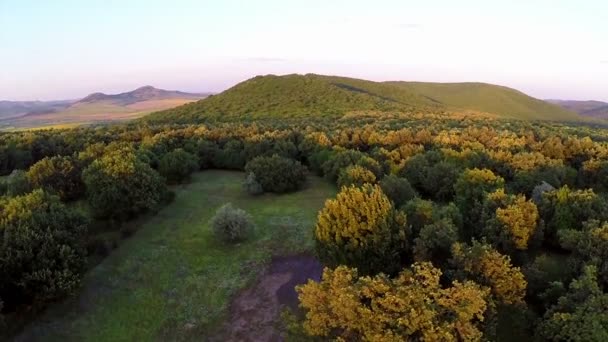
point(61, 49)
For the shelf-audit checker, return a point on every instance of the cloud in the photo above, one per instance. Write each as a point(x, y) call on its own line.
point(605, 61)
point(409, 26)
point(265, 59)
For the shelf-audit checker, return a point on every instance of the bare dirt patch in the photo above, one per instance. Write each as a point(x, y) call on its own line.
point(255, 312)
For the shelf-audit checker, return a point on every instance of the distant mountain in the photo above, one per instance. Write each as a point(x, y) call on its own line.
point(145, 93)
point(596, 109)
point(305, 95)
point(94, 108)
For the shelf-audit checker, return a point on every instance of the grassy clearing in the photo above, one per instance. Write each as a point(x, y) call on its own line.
point(172, 279)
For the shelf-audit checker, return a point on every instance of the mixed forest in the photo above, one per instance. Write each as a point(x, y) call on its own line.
point(448, 224)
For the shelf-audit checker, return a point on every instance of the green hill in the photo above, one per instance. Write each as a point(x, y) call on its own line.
point(318, 95)
point(490, 98)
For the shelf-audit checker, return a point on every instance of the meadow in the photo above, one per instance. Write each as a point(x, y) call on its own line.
point(172, 279)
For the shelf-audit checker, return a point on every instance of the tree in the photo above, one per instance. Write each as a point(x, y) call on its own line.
point(355, 175)
point(471, 189)
point(580, 315)
point(588, 247)
point(360, 228)
point(120, 186)
point(277, 174)
point(397, 189)
point(490, 268)
point(439, 181)
point(58, 174)
point(41, 248)
point(340, 160)
point(17, 184)
point(435, 241)
point(231, 224)
point(177, 165)
point(252, 186)
point(412, 306)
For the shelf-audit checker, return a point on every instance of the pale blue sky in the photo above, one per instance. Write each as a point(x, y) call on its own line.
point(55, 49)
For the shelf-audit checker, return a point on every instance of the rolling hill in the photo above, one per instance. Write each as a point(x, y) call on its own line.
point(94, 108)
point(595, 109)
point(303, 95)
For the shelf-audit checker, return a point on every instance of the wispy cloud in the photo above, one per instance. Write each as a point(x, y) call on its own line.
point(265, 59)
point(409, 26)
point(605, 61)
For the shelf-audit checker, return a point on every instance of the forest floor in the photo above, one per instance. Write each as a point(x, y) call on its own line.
point(172, 280)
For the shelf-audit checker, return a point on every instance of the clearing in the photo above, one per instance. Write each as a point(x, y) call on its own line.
point(173, 281)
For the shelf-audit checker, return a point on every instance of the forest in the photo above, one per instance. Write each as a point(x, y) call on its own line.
point(446, 226)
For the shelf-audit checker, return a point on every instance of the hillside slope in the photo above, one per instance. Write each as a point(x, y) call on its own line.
point(318, 95)
point(296, 96)
point(502, 101)
point(595, 109)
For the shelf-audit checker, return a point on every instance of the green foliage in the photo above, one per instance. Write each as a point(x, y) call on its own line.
point(434, 242)
point(580, 315)
point(41, 249)
point(177, 165)
point(397, 189)
point(120, 186)
point(58, 174)
point(232, 225)
point(16, 183)
point(588, 247)
point(277, 174)
point(340, 160)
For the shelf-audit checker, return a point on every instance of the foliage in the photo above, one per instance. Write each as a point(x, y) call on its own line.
point(435, 240)
point(277, 174)
point(412, 306)
point(58, 174)
point(490, 268)
point(355, 175)
point(16, 183)
point(232, 225)
point(177, 165)
point(580, 315)
point(397, 189)
point(588, 247)
point(120, 186)
point(252, 186)
point(41, 248)
point(360, 228)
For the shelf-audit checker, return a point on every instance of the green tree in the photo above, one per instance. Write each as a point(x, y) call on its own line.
point(177, 165)
point(397, 189)
point(58, 174)
point(41, 248)
point(120, 186)
point(277, 174)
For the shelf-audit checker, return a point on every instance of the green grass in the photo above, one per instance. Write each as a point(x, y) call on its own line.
point(173, 272)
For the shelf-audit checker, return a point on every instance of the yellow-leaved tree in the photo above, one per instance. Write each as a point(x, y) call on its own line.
point(410, 307)
point(360, 228)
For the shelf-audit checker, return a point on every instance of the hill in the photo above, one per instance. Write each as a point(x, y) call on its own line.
point(94, 108)
point(595, 109)
point(302, 95)
point(502, 101)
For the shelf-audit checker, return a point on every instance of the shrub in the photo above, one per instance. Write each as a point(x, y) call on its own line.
point(360, 228)
point(57, 174)
point(17, 183)
point(398, 189)
point(252, 186)
point(277, 174)
point(355, 175)
point(42, 253)
point(231, 224)
point(120, 186)
point(177, 165)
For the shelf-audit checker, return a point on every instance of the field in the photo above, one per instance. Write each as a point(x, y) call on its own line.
point(89, 113)
point(172, 279)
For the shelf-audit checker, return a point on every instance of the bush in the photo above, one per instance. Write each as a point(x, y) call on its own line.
point(232, 224)
point(277, 174)
point(252, 186)
point(361, 228)
point(120, 186)
point(57, 174)
point(17, 184)
point(42, 253)
point(398, 189)
point(355, 175)
point(177, 165)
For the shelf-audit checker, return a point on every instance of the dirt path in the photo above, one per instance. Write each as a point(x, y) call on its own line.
point(255, 312)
